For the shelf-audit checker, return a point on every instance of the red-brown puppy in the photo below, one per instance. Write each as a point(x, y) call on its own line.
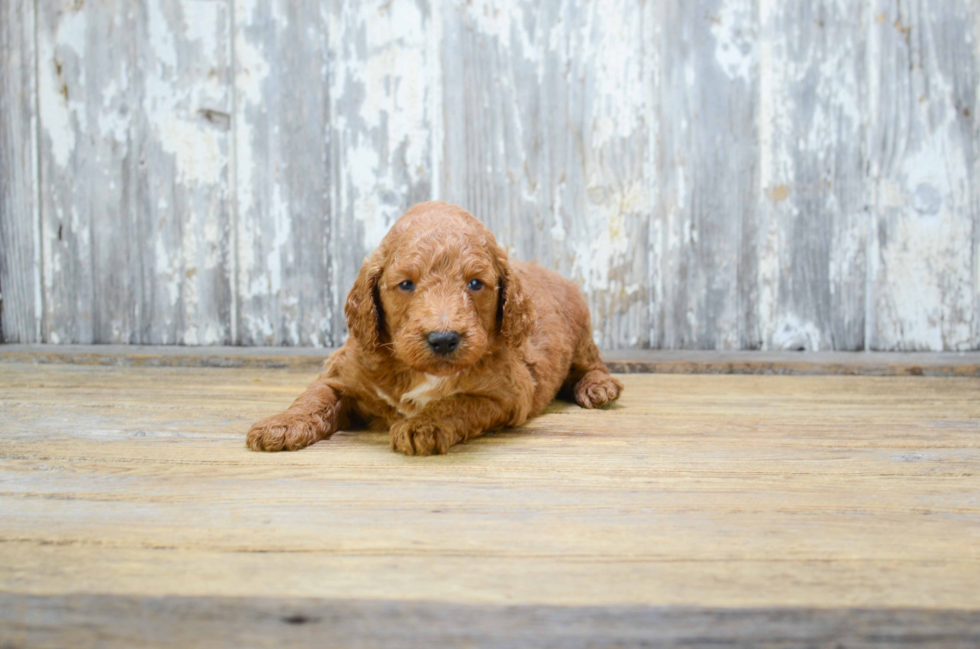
point(449, 338)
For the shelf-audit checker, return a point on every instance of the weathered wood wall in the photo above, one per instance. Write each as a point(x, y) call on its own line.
point(730, 174)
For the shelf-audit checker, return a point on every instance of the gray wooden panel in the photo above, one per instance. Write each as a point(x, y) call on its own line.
point(704, 225)
point(20, 307)
point(283, 185)
point(546, 140)
point(722, 174)
point(385, 119)
point(183, 208)
point(812, 240)
point(143, 621)
point(87, 173)
point(922, 174)
point(134, 149)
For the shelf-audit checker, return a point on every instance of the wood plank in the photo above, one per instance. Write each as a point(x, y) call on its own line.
point(283, 175)
point(812, 242)
point(20, 291)
point(706, 491)
point(625, 361)
point(134, 154)
point(923, 96)
point(704, 229)
point(547, 141)
point(117, 621)
point(183, 200)
point(84, 74)
point(385, 125)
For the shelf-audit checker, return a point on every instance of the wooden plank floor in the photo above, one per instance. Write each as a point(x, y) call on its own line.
point(698, 505)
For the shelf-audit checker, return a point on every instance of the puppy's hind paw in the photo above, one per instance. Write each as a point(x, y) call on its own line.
point(596, 389)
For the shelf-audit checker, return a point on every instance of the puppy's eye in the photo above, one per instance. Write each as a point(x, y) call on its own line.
point(407, 286)
point(475, 285)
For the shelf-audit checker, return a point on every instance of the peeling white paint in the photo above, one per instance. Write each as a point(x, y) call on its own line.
point(610, 246)
point(170, 103)
point(927, 302)
point(618, 71)
point(55, 112)
point(735, 38)
point(381, 82)
point(252, 67)
point(494, 18)
point(66, 50)
point(921, 295)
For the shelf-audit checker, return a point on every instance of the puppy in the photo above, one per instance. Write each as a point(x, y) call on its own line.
point(448, 339)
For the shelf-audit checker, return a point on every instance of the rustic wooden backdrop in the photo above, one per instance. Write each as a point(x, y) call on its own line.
point(731, 174)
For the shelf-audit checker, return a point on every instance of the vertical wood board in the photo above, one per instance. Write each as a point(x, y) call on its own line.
point(704, 228)
point(922, 157)
point(283, 185)
point(812, 242)
point(134, 148)
point(20, 296)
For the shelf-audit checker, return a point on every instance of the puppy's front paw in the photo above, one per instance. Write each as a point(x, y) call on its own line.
point(283, 432)
point(421, 437)
point(596, 389)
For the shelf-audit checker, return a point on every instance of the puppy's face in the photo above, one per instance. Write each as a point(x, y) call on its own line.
point(439, 293)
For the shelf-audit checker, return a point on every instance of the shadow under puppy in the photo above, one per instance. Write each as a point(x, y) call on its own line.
point(449, 339)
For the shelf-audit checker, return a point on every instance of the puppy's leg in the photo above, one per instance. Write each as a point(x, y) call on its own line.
point(317, 414)
point(445, 423)
point(589, 380)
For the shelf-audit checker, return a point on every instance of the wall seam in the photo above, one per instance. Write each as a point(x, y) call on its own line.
point(233, 271)
point(436, 126)
point(868, 184)
point(40, 308)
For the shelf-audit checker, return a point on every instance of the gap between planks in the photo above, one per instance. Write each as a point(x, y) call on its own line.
point(952, 364)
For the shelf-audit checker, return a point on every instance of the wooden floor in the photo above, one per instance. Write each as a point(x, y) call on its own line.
point(754, 510)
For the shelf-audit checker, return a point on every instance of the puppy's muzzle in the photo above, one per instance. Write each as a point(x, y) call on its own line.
point(443, 343)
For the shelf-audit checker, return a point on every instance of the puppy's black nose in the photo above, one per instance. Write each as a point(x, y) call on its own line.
point(443, 342)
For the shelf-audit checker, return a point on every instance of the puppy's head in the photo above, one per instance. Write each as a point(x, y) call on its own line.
point(438, 293)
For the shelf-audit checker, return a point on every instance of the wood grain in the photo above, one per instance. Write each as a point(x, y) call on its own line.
point(813, 237)
point(182, 215)
point(83, 79)
point(284, 291)
point(128, 621)
point(20, 308)
point(922, 170)
point(709, 491)
point(134, 147)
point(707, 170)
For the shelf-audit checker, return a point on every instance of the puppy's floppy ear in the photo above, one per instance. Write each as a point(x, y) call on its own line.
point(365, 316)
point(515, 314)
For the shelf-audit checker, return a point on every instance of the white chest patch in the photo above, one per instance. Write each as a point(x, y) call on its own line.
point(384, 396)
point(416, 398)
point(422, 393)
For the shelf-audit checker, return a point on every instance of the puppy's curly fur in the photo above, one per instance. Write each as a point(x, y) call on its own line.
point(524, 335)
